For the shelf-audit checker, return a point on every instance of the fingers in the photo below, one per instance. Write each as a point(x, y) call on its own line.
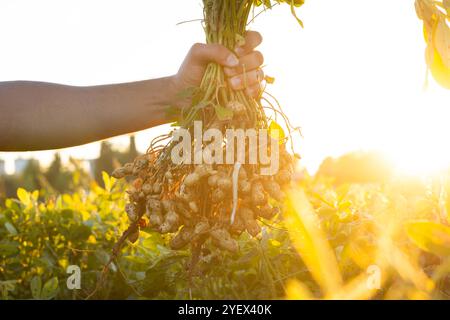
point(205, 53)
point(251, 61)
point(252, 40)
point(246, 80)
point(243, 71)
point(247, 74)
point(254, 90)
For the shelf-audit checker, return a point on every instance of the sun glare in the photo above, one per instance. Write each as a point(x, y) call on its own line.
point(419, 164)
point(418, 145)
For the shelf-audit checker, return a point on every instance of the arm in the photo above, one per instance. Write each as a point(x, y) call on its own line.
point(38, 116)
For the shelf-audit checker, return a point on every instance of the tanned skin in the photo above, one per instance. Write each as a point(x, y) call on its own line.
point(42, 116)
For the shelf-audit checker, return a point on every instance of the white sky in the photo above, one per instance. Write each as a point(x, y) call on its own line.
point(352, 78)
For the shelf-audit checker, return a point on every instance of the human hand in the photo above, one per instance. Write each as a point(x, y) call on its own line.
point(241, 68)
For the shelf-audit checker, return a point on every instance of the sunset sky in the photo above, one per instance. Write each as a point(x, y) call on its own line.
point(353, 78)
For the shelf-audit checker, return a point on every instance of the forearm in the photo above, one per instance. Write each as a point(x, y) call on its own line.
point(38, 116)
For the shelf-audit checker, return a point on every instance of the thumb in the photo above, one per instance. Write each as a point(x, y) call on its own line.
point(206, 53)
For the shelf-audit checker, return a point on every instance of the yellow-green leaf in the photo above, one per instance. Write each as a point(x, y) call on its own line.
point(276, 131)
point(269, 79)
point(437, 67)
point(223, 113)
point(35, 195)
point(430, 236)
point(36, 287)
point(23, 196)
point(11, 229)
point(108, 181)
point(441, 41)
point(50, 289)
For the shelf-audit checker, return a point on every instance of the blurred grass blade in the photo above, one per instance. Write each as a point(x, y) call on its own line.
point(295, 290)
point(311, 243)
point(430, 236)
point(409, 270)
point(356, 289)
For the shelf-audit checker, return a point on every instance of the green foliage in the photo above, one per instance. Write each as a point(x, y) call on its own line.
point(40, 237)
point(348, 228)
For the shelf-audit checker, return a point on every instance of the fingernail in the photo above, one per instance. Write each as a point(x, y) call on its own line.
point(235, 82)
point(232, 61)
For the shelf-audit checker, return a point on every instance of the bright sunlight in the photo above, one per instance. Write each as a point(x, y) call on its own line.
point(332, 117)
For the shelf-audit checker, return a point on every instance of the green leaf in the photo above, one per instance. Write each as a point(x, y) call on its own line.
point(269, 79)
point(223, 113)
point(137, 259)
point(9, 248)
point(36, 287)
point(11, 229)
point(23, 196)
point(295, 3)
point(67, 214)
point(108, 181)
point(35, 195)
point(50, 289)
point(430, 236)
point(8, 285)
point(276, 131)
point(149, 243)
point(80, 232)
point(12, 204)
point(267, 4)
point(441, 42)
